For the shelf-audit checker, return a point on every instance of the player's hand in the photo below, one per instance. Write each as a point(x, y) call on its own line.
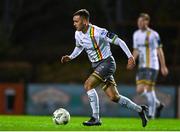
point(164, 71)
point(65, 58)
point(131, 63)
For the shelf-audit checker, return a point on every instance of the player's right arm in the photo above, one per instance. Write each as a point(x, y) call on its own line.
point(77, 51)
point(74, 54)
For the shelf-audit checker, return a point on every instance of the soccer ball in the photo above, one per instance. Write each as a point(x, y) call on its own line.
point(61, 116)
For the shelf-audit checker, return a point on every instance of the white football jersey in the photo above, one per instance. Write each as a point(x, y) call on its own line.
point(147, 42)
point(96, 42)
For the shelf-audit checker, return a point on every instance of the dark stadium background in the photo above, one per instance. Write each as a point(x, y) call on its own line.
point(34, 34)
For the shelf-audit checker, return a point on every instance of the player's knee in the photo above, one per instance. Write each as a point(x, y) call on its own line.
point(139, 91)
point(115, 98)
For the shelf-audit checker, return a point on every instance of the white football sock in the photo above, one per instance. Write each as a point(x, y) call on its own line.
point(94, 102)
point(125, 102)
point(157, 101)
point(151, 103)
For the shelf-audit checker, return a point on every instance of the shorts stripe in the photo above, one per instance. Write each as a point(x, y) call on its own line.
point(107, 83)
point(148, 82)
point(97, 75)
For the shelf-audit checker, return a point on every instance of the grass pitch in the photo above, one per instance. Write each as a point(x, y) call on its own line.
point(44, 123)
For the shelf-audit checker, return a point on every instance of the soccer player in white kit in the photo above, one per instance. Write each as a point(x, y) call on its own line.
point(96, 42)
point(148, 50)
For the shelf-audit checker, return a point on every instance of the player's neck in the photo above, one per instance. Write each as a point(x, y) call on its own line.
point(85, 29)
point(144, 29)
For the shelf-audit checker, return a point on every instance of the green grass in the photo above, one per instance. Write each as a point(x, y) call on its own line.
point(44, 123)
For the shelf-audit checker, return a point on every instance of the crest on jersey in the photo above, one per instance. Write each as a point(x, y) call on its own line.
point(103, 33)
point(110, 35)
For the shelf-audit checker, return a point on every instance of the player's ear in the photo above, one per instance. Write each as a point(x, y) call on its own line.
point(85, 21)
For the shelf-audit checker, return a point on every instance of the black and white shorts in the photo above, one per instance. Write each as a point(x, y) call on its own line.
point(146, 76)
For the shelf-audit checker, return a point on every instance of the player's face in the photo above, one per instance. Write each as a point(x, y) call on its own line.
point(78, 23)
point(146, 22)
point(141, 23)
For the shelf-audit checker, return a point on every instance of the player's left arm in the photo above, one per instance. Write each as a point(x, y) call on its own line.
point(164, 69)
point(160, 53)
point(114, 39)
point(131, 61)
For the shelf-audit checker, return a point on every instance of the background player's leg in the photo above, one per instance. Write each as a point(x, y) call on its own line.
point(89, 85)
point(140, 89)
point(145, 80)
point(159, 105)
point(151, 100)
point(156, 99)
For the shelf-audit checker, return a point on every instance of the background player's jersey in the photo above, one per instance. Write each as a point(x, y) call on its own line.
point(147, 42)
point(95, 42)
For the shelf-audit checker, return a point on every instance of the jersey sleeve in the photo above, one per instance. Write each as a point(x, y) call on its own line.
point(123, 46)
point(135, 46)
point(157, 40)
point(76, 52)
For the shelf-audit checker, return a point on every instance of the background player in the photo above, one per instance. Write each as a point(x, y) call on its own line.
point(96, 42)
point(147, 45)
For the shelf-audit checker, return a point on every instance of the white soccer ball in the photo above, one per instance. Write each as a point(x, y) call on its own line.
point(61, 116)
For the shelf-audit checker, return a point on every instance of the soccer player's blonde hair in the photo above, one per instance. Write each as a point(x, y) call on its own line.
point(145, 16)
